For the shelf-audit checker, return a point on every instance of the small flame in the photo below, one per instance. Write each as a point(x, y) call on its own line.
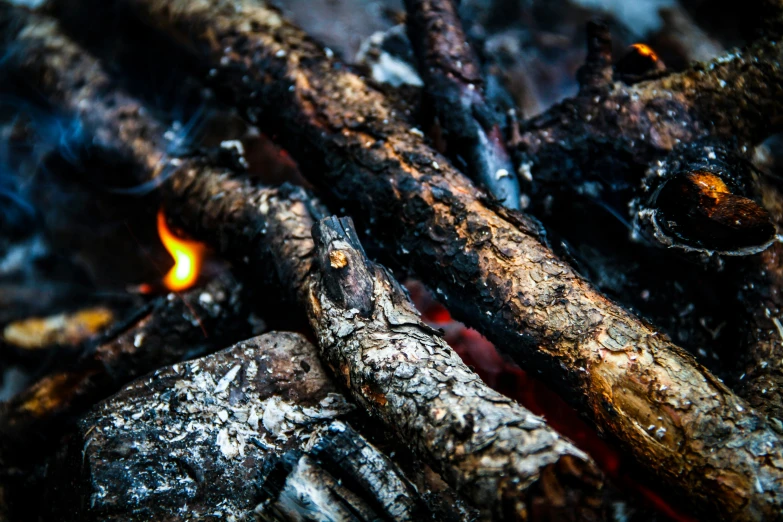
point(645, 50)
point(187, 255)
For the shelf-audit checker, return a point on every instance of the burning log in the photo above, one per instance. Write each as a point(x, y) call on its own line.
point(539, 472)
point(168, 330)
point(261, 416)
point(454, 81)
point(401, 370)
point(488, 263)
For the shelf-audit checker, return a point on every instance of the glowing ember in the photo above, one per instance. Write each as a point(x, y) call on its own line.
point(187, 255)
point(645, 50)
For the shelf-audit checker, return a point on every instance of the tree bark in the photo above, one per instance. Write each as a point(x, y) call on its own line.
point(488, 264)
point(271, 228)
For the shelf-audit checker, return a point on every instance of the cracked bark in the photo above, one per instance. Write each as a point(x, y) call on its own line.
point(505, 459)
point(488, 265)
point(258, 226)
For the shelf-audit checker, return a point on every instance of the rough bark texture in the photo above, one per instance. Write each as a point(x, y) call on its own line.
point(454, 83)
point(502, 457)
point(170, 329)
point(490, 268)
point(201, 439)
point(250, 224)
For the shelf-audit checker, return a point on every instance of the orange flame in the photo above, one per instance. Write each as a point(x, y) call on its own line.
point(645, 50)
point(187, 255)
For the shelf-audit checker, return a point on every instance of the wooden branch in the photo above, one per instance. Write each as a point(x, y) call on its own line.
point(405, 373)
point(248, 224)
point(597, 72)
point(205, 436)
point(490, 267)
point(454, 83)
point(169, 329)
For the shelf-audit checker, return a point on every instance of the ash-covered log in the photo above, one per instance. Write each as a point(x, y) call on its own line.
point(270, 228)
point(489, 264)
point(253, 431)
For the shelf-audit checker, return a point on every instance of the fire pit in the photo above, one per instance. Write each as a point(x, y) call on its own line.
point(234, 253)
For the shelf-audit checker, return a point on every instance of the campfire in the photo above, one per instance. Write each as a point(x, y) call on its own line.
point(380, 260)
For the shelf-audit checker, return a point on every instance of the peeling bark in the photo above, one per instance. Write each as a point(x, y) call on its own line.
point(491, 268)
point(502, 457)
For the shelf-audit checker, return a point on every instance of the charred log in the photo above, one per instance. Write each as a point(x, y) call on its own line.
point(403, 372)
point(225, 421)
point(490, 266)
point(701, 199)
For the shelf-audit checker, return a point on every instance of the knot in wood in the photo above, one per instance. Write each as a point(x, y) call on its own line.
point(338, 259)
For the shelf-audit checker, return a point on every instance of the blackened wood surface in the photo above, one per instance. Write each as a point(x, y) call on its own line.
point(455, 85)
point(172, 328)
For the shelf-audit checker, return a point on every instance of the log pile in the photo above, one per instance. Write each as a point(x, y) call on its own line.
point(275, 434)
